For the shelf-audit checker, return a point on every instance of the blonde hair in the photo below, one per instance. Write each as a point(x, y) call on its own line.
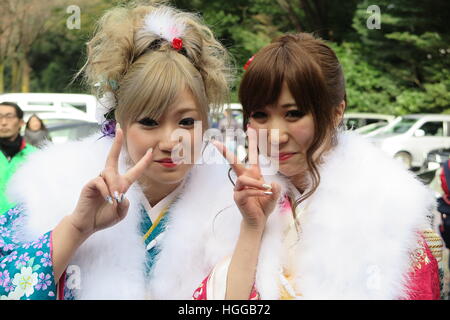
point(145, 73)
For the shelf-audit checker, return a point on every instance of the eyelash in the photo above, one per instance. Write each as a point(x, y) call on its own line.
point(295, 114)
point(152, 123)
point(189, 120)
point(290, 114)
point(258, 115)
point(148, 122)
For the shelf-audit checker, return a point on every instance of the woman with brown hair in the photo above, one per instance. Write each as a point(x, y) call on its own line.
point(36, 132)
point(342, 220)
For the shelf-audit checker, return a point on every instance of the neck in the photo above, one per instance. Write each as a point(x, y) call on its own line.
point(300, 181)
point(155, 192)
point(11, 138)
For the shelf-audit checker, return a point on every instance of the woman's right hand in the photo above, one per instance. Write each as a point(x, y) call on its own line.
point(254, 197)
point(102, 203)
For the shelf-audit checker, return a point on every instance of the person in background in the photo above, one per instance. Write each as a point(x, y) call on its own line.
point(36, 133)
point(228, 121)
point(440, 185)
point(14, 149)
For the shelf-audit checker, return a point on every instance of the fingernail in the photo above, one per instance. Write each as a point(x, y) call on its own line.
point(109, 199)
point(269, 193)
point(267, 186)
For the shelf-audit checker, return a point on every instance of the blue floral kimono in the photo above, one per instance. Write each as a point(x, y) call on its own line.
point(26, 270)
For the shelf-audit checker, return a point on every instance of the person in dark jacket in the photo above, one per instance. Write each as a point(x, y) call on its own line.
point(14, 149)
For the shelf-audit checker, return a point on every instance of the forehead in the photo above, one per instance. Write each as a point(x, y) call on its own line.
point(184, 102)
point(7, 109)
point(285, 99)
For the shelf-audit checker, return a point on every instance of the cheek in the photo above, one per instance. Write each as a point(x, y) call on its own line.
point(192, 144)
point(302, 132)
point(137, 143)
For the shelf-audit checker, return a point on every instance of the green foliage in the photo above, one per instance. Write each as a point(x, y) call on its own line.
point(411, 48)
point(401, 68)
point(368, 89)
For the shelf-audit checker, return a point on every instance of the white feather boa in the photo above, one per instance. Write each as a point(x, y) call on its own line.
point(363, 216)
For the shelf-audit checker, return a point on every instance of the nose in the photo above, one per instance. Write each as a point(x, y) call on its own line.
point(166, 142)
point(278, 133)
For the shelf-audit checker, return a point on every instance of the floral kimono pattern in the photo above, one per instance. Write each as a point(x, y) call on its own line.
point(26, 270)
point(424, 274)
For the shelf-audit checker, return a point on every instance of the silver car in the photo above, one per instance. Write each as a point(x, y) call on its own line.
point(410, 138)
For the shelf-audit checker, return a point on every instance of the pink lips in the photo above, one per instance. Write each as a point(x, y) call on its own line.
point(283, 156)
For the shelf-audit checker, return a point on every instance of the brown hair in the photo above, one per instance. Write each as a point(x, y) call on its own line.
point(43, 127)
point(314, 77)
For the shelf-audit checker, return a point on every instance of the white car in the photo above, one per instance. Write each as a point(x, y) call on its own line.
point(371, 129)
point(357, 120)
point(410, 138)
point(82, 104)
point(52, 119)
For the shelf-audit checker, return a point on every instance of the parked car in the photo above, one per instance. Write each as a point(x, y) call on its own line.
point(354, 121)
point(76, 130)
point(410, 138)
point(371, 129)
point(58, 117)
point(83, 104)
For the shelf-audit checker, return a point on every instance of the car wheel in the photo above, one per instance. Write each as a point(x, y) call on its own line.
point(404, 158)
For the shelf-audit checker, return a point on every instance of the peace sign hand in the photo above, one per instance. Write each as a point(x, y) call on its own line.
point(254, 197)
point(102, 203)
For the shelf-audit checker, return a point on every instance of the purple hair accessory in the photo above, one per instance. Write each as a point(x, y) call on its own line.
point(109, 128)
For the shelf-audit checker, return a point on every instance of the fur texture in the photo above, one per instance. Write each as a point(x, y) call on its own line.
point(357, 232)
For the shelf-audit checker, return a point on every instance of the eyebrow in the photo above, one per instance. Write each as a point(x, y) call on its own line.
point(287, 105)
point(187, 109)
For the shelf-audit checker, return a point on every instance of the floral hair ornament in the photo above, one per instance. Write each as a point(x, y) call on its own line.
point(163, 23)
point(177, 44)
point(248, 62)
point(104, 114)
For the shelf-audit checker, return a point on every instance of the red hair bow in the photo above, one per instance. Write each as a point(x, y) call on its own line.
point(248, 62)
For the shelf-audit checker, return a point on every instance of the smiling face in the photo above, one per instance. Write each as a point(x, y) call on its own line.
point(296, 132)
point(148, 133)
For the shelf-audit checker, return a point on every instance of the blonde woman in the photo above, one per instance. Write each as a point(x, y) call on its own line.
point(131, 233)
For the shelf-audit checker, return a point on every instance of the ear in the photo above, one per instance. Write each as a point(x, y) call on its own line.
point(340, 112)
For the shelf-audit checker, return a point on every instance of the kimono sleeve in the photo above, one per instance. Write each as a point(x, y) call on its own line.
point(425, 274)
point(26, 270)
point(214, 286)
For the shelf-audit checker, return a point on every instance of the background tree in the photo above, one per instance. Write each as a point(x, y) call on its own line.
point(412, 47)
point(401, 68)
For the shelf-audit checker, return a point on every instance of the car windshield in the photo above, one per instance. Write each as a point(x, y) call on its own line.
point(371, 127)
point(400, 127)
